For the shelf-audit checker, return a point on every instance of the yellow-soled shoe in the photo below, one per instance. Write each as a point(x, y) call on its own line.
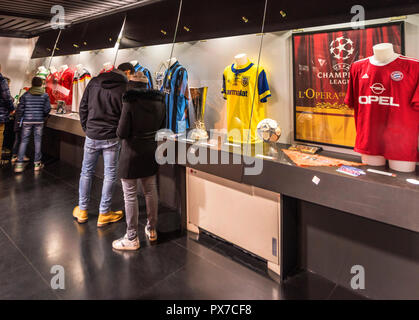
point(80, 215)
point(110, 217)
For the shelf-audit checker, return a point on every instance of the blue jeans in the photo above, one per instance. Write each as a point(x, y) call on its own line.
point(110, 151)
point(26, 135)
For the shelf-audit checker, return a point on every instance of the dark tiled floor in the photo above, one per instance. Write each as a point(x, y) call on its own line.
point(37, 232)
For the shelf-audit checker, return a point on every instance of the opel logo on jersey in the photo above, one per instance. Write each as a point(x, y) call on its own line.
point(397, 76)
point(377, 88)
point(245, 81)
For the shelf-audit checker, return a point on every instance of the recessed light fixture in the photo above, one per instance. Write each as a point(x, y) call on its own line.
point(245, 19)
point(75, 45)
point(85, 43)
point(283, 14)
point(186, 28)
point(163, 31)
point(110, 39)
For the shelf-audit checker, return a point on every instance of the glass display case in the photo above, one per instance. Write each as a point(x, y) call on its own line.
point(227, 75)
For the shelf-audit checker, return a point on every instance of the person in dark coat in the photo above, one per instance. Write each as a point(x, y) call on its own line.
point(143, 115)
point(32, 110)
point(6, 107)
point(8, 130)
point(100, 111)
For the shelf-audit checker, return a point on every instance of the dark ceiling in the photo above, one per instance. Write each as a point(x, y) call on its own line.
point(204, 18)
point(27, 18)
point(96, 24)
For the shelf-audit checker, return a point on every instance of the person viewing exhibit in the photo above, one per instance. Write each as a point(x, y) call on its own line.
point(209, 150)
point(33, 108)
point(143, 114)
point(6, 107)
point(100, 111)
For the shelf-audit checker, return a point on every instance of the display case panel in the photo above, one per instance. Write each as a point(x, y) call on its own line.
point(102, 33)
point(147, 42)
point(321, 72)
point(157, 64)
point(210, 19)
point(70, 40)
point(307, 14)
point(152, 24)
point(45, 44)
point(222, 73)
point(70, 74)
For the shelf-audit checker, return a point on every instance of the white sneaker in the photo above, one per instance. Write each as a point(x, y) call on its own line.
point(125, 244)
point(38, 166)
point(151, 233)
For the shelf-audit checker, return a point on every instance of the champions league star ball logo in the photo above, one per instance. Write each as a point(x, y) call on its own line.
point(342, 48)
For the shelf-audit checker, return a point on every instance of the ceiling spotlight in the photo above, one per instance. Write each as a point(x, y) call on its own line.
point(58, 49)
point(163, 31)
point(283, 14)
point(110, 39)
point(75, 45)
point(186, 28)
point(85, 43)
point(245, 19)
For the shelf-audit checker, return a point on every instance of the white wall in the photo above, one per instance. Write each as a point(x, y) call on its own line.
point(15, 55)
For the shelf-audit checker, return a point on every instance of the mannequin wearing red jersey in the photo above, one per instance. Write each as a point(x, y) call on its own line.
point(387, 111)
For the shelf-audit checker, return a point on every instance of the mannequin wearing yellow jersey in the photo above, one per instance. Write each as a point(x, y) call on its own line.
point(244, 86)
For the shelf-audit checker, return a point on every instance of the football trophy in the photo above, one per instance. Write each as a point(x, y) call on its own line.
point(199, 96)
point(61, 107)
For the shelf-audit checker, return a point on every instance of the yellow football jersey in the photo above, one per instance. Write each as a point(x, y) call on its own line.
point(244, 86)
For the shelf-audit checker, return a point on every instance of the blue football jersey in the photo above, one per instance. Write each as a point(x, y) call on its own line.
point(175, 88)
point(147, 73)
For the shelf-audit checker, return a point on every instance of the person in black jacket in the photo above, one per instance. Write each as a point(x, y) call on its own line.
point(32, 110)
point(6, 107)
point(143, 114)
point(100, 111)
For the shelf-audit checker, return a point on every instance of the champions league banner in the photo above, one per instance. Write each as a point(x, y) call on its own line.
point(321, 75)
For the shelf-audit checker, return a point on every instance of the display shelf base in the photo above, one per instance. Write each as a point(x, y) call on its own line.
point(192, 228)
point(274, 271)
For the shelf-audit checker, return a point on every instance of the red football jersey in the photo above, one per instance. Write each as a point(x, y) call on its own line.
point(385, 99)
point(65, 86)
point(51, 86)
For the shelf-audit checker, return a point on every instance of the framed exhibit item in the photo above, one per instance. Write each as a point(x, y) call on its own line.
point(321, 64)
